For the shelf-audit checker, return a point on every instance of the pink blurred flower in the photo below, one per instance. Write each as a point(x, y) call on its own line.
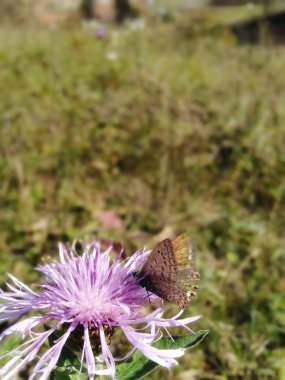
point(89, 295)
point(100, 31)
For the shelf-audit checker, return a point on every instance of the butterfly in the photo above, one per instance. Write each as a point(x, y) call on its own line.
point(169, 271)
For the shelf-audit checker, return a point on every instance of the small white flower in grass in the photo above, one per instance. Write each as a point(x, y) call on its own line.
point(86, 297)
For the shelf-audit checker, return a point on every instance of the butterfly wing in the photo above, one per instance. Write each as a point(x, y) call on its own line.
point(184, 249)
point(161, 262)
point(169, 290)
point(169, 272)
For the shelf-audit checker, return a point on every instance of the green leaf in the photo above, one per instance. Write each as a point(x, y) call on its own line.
point(66, 376)
point(68, 365)
point(140, 366)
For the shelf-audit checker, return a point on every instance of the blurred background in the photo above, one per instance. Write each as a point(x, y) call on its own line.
point(138, 120)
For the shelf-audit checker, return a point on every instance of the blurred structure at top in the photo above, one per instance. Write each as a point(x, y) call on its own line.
point(101, 9)
point(269, 28)
point(110, 10)
point(46, 11)
point(50, 12)
point(13, 10)
point(62, 6)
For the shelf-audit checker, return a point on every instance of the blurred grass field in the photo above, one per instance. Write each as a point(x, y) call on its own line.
point(145, 131)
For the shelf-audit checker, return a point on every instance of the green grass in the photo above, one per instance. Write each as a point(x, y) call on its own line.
point(177, 135)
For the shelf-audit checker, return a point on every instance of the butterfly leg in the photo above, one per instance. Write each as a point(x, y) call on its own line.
point(148, 296)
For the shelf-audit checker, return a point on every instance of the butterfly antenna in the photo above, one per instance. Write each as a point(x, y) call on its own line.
point(148, 296)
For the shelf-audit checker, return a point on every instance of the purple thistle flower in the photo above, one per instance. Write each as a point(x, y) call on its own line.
point(90, 296)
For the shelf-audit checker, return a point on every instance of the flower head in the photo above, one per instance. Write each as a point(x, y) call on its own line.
point(87, 296)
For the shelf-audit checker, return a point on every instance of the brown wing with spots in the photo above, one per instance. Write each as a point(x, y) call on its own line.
point(170, 291)
point(169, 272)
point(161, 262)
